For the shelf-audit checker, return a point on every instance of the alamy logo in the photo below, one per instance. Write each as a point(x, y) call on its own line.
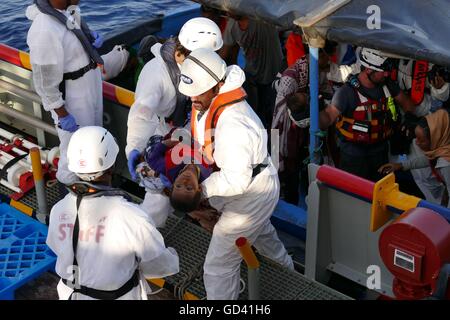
point(374, 21)
point(186, 79)
point(374, 278)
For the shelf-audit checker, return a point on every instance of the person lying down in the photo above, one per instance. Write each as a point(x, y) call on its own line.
point(175, 168)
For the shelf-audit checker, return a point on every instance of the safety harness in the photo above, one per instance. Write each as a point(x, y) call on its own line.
point(179, 115)
point(370, 121)
point(219, 105)
point(80, 72)
point(83, 190)
point(83, 33)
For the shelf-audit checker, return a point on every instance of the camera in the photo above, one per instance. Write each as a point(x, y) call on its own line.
point(443, 72)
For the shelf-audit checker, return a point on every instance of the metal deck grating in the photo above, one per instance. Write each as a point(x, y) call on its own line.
point(191, 243)
point(53, 196)
point(277, 283)
point(295, 285)
point(317, 291)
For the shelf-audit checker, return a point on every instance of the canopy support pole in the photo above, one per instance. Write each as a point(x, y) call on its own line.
point(314, 104)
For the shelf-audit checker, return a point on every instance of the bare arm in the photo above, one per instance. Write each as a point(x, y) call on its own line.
point(61, 112)
point(229, 54)
point(405, 102)
point(328, 116)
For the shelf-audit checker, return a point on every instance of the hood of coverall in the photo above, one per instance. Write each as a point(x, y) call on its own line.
point(32, 12)
point(235, 78)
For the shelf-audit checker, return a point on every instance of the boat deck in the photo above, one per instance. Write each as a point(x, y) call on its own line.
point(277, 283)
point(191, 243)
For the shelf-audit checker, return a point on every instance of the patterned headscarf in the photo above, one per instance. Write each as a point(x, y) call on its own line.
point(293, 79)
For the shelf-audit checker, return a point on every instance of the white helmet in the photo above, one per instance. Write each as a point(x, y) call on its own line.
point(200, 33)
point(201, 71)
point(373, 59)
point(91, 151)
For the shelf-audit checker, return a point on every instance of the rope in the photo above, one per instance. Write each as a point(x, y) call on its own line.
point(322, 135)
point(243, 285)
point(155, 292)
point(180, 288)
point(317, 151)
point(51, 183)
point(191, 276)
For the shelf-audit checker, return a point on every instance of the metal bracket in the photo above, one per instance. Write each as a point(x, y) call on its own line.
point(321, 12)
point(386, 193)
point(313, 37)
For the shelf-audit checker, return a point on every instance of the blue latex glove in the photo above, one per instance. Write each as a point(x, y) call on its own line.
point(98, 42)
point(68, 123)
point(133, 160)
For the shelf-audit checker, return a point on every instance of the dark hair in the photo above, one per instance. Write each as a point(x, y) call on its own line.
point(144, 51)
point(329, 48)
point(179, 47)
point(423, 123)
point(294, 102)
point(205, 8)
point(186, 205)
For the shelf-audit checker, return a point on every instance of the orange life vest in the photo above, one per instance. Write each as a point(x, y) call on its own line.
point(370, 121)
point(220, 103)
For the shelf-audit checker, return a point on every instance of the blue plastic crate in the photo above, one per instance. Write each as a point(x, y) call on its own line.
point(23, 252)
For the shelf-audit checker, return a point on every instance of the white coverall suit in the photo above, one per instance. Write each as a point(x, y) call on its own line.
point(116, 237)
point(155, 99)
point(55, 50)
point(246, 203)
point(432, 189)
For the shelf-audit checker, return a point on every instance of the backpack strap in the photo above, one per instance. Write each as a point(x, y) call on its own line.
point(83, 33)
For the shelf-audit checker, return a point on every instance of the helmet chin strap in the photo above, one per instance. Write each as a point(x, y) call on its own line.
point(89, 177)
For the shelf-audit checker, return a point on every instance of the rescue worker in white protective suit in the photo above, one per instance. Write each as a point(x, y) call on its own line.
point(158, 104)
point(65, 69)
point(117, 245)
point(427, 95)
point(246, 187)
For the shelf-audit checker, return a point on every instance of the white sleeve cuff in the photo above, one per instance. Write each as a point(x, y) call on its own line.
point(55, 105)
